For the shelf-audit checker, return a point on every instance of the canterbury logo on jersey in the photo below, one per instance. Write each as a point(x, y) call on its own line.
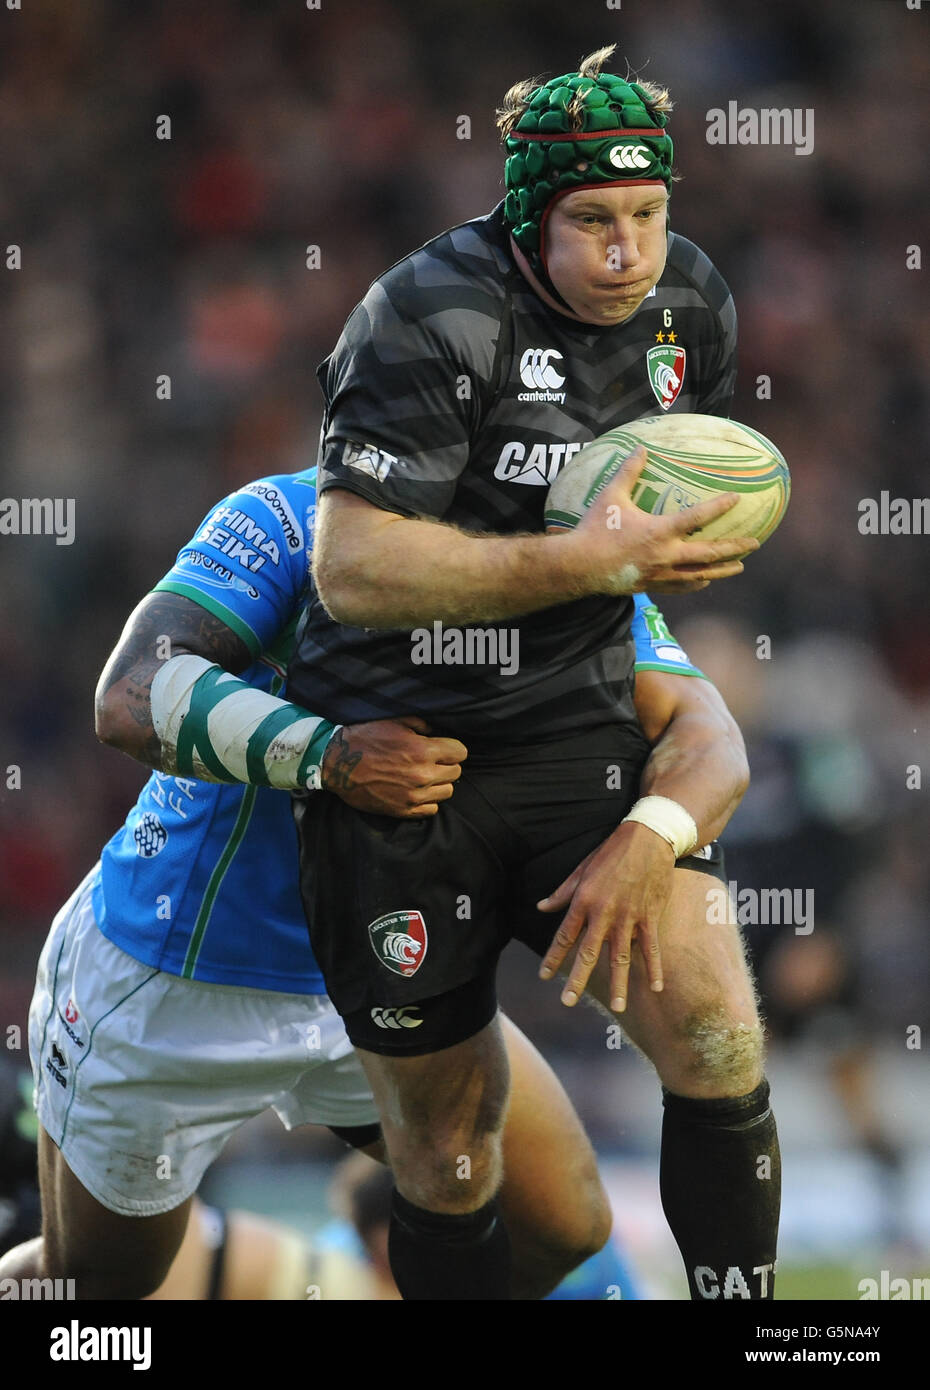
point(536, 370)
point(630, 157)
point(397, 1018)
point(538, 466)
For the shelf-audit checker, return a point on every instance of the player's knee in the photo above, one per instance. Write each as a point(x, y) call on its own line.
point(23, 1261)
point(102, 1265)
point(547, 1251)
point(582, 1227)
point(725, 1054)
point(448, 1172)
point(600, 1225)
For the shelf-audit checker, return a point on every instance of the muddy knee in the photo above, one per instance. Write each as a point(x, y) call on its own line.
point(723, 1055)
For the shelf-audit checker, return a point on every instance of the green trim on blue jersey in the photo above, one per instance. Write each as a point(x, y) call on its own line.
point(670, 669)
point(222, 864)
point(214, 884)
point(279, 652)
point(657, 637)
point(212, 605)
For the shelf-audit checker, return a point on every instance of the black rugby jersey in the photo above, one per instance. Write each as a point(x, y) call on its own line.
point(455, 393)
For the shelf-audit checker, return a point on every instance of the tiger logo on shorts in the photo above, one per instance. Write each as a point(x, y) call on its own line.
point(399, 940)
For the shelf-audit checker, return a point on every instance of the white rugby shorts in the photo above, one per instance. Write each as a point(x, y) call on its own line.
point(141, 1076)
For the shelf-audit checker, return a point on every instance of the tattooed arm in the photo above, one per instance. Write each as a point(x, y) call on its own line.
point(388, 767)
point(164, 625)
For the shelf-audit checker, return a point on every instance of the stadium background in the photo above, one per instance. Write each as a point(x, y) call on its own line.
point(339, 128)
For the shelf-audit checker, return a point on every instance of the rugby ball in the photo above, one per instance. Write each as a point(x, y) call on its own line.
point(689, 458)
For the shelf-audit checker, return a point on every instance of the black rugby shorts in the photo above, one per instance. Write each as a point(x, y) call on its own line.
point(408, 917)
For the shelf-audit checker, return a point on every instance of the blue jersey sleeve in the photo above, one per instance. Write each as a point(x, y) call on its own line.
point(249, 561)
point(656, 648)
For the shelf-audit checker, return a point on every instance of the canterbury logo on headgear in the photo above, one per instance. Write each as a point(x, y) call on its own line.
point(630, 157)
point(536, 371)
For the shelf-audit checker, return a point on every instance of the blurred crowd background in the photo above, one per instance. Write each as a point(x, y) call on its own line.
point(339, 128)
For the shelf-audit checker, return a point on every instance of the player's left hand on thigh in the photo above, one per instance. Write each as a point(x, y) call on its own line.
point(616, 895)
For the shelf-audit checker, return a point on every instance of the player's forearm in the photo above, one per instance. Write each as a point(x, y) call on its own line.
point(163, 625)
point(190, 718)
point(123, 715)
point(167, 698)
point(374, 568)
point(700, 762)
point(400, 573)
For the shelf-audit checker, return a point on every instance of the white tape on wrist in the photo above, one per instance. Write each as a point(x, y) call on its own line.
point(667, 818)
point(214, 726)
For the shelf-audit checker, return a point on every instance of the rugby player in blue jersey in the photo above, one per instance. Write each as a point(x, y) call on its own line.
point(177, 995)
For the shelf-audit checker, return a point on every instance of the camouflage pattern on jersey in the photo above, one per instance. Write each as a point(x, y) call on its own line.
point(456, 394)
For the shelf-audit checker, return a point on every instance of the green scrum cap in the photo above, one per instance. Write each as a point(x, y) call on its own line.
point(578, 132)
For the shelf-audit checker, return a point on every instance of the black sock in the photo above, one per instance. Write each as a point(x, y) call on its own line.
point(721, 1192)
point(437, 1256)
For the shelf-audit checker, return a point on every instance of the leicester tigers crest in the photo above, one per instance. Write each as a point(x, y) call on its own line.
point(666, 367)
point(398, 939)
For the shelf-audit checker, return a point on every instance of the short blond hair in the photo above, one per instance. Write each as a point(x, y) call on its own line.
point(517, 98)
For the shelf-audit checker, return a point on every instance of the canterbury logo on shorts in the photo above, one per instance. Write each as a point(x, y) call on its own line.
point(397, 1018)
point(398, 939)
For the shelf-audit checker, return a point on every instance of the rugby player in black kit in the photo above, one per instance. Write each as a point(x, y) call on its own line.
point(460, 385)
